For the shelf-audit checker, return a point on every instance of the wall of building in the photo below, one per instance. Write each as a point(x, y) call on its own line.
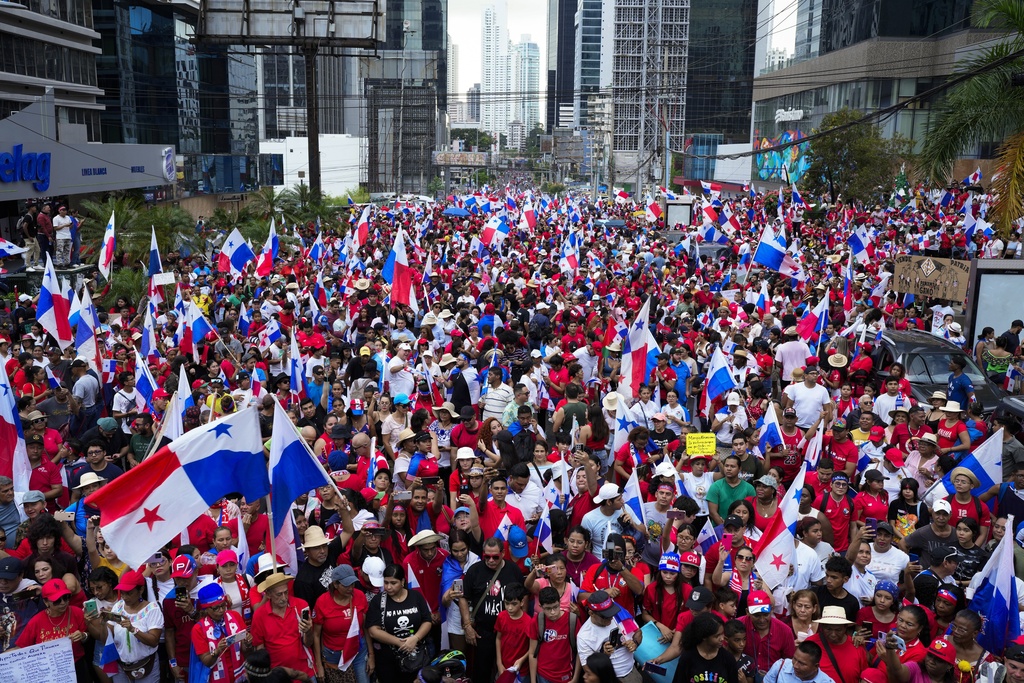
point(339, 165)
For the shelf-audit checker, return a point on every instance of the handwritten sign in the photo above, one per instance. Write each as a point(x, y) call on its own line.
point(163, 279)
point(701, 444)
point(51, 661)
point(935, 278)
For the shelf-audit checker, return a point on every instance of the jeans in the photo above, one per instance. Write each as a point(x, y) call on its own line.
point(359, 665)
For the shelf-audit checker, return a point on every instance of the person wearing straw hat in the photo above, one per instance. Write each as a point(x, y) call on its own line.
point(314, 574)
point(284, 626)
point(963, 504)
point(843, 661)
point(952, 431)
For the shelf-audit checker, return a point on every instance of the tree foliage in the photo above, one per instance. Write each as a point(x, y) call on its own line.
point(986, 108)
point(474, 137)
point(134, 222)
point(854, 163)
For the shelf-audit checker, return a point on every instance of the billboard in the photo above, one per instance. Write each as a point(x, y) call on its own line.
point(782, 166)
point(327, 23)
point(460, 158)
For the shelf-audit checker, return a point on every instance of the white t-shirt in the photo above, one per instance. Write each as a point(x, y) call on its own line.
point(591, 638)
point(124, 402)
point(698, 487)
point(808, 402)
point(679, 412)
point(792, 354)
point(808, 568)
point(62, 227)
point(888, 565)
point(401, 379)
point(861, 584)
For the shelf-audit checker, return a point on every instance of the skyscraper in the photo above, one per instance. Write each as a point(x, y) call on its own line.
point(526, 82)
point(592, 60)
point(561, 49)
point(649, 82)
point(453, 69)
point(473, 102)
point(496, 81)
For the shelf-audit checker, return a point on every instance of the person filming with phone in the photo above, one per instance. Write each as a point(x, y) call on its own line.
point(601, 633)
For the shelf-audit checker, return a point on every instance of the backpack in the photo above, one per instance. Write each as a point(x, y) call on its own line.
point(572, 634)
point(536, 330)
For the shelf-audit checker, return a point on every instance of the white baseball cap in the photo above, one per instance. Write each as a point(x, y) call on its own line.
point(373, 567)
point(607, 492)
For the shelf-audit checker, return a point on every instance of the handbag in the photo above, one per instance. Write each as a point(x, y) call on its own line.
point(138, 670)
point(408, 662)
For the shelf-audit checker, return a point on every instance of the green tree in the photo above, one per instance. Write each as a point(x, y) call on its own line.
point(986, 108)
point(435, 186)
point(267, 202)
point(474, 137)
point(134, 222)
point(855, 162)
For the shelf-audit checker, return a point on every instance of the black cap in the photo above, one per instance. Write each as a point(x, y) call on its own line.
point(11, 568)
point(874, 475)
point(733, 521)
point(699, 599)
point(945, 552)
point(467, 413)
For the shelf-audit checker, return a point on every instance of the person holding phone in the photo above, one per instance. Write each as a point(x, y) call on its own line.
point(600, 633)
point(136, 625)
point(283, 625)
point(60, 619)
point(216, 650)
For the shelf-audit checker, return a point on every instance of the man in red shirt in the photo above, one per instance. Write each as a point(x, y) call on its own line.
point(613, 577)
point(841, 447)
point(768, 639)
point(284, 626)
point(493, 511)
point(962, 504)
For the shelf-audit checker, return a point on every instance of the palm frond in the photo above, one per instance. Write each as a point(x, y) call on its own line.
point(1007, 14)
point(1009, 184)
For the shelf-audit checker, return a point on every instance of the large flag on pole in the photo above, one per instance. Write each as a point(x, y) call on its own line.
point(638, 344)
point(13, 456)
point(149, 505)
point(107, 248)
point(398, 273)
point(294, 469)
point(54, 310)
point(777, 552)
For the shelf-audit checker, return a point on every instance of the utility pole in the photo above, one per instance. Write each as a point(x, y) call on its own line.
point(309, 53)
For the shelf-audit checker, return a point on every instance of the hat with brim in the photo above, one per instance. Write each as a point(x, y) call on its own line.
point(838, 360)
point(274, 580)
point(447, 405)
point(446, 359)
point(602, 604)
point(425, 537)
point(938, 396)
point(611, 401)
point(957, 471)
point(405, 436)
point(951, 407)
point(88, 479)
point(902, 410)
point(314, 538)
point(833, 615)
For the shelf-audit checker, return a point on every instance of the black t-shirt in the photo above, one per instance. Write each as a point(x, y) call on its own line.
point(849, 603)
point(693, 668)
point(926, 587)
point(475, 585)
point(312, 582)
point(400, 619)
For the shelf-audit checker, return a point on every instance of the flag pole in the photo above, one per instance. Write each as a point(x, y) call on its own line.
point(273, 549)
point(160, 431)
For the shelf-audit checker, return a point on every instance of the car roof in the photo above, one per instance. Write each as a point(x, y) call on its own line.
point(917, 341)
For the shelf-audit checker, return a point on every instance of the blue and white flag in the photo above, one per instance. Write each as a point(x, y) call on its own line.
point(634, 500)
point(294, 469)
point(707, 537)
point(987, 464)
point(993, 595)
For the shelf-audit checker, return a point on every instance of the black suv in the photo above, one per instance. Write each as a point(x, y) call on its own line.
point(926, 359)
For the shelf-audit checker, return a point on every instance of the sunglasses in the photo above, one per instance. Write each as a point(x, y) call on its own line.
point(745, 558)
point(492, 557)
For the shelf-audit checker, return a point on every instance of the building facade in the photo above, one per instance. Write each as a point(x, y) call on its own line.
point(561, 50)
point(526, 82)
point(496, 77)
point(870, 56)
point(51, 45)
point(595, 26)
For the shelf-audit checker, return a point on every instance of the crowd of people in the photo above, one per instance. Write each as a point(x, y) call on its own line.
point(486, 449)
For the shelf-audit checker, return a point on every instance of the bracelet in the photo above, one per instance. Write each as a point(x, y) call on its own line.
point(173, 663)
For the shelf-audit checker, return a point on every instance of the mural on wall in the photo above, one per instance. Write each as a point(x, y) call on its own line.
point(793, 159)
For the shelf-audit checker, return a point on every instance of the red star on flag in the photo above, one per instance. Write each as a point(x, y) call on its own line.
point(777, 561)
point(150, 517)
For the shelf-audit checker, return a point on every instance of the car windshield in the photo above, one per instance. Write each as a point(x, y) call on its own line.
point(933, 368)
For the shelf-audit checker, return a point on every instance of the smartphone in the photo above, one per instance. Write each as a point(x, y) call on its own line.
point(25, 594)
point(403, 495)
point(866, 625)
point(914, 557)
point(675, 514)
point(615, 637)
point(64, 516)
point(240, 636)
point(464, 490)
point(726, 540)
point(457, 586)
point(91, 608)
point(901, 644)
point(429, 481)
point(871, 523)
point(542, 570)
point(305, 614)
point(653, 668)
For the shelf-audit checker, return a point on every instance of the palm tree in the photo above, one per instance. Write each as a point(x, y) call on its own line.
point(268, 202)
point(984, 108)
point(134, 222)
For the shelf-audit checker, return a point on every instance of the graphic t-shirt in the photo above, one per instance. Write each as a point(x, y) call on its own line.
point(400, 619)
point(693, 668)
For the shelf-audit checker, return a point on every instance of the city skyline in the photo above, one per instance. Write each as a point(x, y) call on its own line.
point(464, 19)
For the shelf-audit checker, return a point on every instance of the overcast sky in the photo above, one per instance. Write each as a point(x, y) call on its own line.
point(464, 26)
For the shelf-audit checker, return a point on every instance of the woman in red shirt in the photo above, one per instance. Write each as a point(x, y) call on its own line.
point(664, 598)
point(952, 431)
point(872, 502)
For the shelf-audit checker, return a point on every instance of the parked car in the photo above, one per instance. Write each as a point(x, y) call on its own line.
point(1013, 405)
point(926, 359)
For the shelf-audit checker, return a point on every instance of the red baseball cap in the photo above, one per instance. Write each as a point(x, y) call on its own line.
point(877, 433)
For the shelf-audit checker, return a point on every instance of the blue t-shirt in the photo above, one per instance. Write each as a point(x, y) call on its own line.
point(959, 389)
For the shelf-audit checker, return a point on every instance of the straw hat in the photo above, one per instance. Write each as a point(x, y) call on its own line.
point(274, 580)
point(405, 436)
point(314, 538)
point(951, 407)
point(833, 615)
point(424, 537)
point(967, 473)
point(838, 360)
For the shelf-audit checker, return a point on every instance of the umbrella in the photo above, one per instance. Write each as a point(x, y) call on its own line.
point(455, 211)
